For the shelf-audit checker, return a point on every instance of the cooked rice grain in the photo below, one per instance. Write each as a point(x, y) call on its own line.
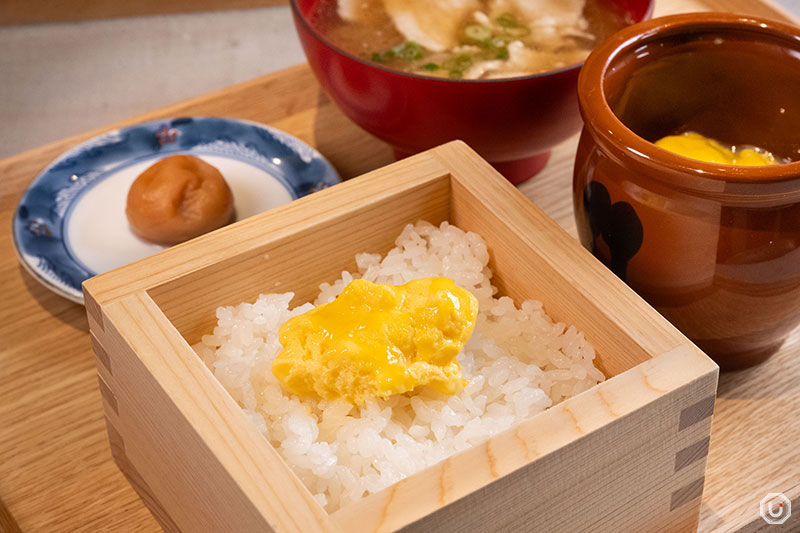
point(518, 363)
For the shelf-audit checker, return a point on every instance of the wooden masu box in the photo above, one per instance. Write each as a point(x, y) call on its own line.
point(627, 455)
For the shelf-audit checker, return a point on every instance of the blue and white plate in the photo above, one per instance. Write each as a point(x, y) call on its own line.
point(70, 224)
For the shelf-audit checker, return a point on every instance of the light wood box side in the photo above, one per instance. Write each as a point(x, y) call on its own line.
point(181, 432)
point(300, 261)
point(577, 289)
point(615, 458)
point(606, 427)
point(176, 434)
point(235, 263)
point(183, 441)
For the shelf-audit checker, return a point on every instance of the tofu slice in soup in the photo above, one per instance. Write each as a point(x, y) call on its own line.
point(433, 24)
point(542, 13)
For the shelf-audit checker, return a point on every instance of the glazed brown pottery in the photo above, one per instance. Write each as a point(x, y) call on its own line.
point(715, 248)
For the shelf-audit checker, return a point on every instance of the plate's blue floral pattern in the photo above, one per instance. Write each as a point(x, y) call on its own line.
point(39, 222)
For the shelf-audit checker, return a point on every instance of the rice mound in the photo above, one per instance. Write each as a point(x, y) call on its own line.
point(518, 363)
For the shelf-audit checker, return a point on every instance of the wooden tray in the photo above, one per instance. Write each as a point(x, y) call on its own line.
point(56, 472)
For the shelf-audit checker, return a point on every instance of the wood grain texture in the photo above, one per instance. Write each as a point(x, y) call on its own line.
point(56, 472)
point(169, 430)
point(7, 522)
point(161, 400)
point(562, 457)
point(230, 269)
point(38, 11)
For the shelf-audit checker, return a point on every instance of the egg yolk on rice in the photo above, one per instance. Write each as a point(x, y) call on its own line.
point(376, 340)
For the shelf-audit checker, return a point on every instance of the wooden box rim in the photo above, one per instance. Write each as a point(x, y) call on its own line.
point(122, 301)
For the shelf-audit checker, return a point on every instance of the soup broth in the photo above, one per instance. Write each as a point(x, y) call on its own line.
point(467, 39)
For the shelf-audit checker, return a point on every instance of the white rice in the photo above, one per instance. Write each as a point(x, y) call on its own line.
point(518, 363)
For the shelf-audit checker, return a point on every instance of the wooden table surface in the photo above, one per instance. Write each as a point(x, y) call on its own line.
point(56, 472)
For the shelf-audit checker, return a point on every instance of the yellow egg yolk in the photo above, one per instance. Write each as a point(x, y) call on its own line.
point(696, 146)
point(377, 340)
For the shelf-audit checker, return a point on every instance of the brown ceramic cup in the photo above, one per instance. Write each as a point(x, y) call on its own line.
point(715, 248)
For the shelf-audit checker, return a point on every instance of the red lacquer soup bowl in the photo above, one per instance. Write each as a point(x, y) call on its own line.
point(715, 248)
point(512, 122)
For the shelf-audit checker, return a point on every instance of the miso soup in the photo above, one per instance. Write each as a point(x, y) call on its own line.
point(468, 39)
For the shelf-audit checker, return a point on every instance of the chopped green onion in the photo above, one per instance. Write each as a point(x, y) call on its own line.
point(408, 50)
point(507, 20)
point(498, 42)
point(457, 62)
point(381, 57)
point(430, 66)
point(478, 33)
point(512, 27)
point(502, 53)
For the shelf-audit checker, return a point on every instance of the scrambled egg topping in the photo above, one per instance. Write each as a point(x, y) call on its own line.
point(377, 340)
point(696, 146)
